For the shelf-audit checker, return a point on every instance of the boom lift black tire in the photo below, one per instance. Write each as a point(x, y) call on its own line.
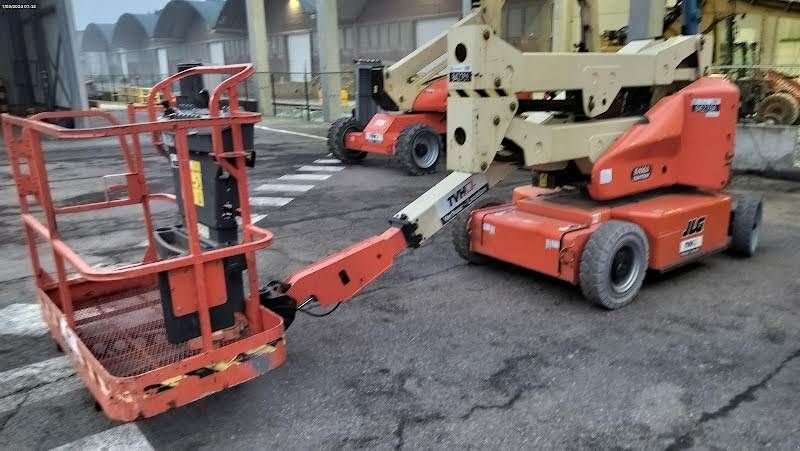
point(419, 149)
point(336, 136)
point(461, 233)
point(614, 263)
point(746, 226)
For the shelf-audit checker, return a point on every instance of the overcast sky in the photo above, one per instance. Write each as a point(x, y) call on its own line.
point(107, 11)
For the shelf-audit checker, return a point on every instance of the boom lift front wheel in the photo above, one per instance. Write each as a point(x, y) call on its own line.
point(337, 133)
point(613, 264)
point(419, 149)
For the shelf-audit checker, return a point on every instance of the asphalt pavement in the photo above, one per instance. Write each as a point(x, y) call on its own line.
point(437, 353)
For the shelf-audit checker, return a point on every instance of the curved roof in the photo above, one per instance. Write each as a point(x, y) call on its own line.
point(233, 17)
point(97, 37)
point(178, 15)
point(133, 30)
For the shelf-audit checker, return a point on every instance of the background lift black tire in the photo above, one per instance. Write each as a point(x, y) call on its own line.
point(415, 140)
point(746, 226)
point(461, 233)
point(336, 135)
point(780, 108)
point(613, 264)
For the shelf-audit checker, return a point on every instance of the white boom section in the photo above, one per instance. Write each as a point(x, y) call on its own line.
point(403, 80)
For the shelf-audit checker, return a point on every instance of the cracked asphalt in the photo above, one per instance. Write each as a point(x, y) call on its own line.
point(438, 353)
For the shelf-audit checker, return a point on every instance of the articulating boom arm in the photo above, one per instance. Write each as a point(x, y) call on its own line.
point(486, 73)
point(403, 80)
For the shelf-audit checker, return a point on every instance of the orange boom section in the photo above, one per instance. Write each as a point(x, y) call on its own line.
point(688, 139)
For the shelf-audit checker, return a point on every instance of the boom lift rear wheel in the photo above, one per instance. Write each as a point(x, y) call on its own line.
point(337, 133)
point(613, 264)
point(461, 236)
point(419, 149)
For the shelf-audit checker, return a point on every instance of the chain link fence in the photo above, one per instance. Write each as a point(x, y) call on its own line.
point(769, 93)
point(295, 95)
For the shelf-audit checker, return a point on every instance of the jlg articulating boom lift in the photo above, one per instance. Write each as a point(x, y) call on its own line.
point(414, 92)
point(630, 173)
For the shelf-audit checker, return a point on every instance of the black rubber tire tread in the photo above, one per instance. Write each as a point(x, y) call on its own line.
point(461, 236)
point(746, 217)
point(405, 153)
point(597, 257)
point(781, 107)
point(336, 135)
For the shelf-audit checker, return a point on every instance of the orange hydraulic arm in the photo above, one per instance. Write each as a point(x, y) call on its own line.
point(341, 276)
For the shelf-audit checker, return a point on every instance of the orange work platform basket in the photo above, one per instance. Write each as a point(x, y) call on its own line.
point(110, 321)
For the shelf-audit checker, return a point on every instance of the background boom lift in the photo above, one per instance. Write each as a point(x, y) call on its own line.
point(413, 94)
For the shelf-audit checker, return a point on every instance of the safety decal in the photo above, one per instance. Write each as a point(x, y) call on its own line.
point(461, 196)
point(690, 245)
point(460, 73)
point(640, 173)
point(606, 176)
point(375, 137)
point(710, 107)
point(197, 183)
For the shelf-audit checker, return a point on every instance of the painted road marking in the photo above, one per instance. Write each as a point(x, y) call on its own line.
point(289, 132)
point(328, 161)
point(287, 188)
point(304, 177)
point(35, 375)
point(254, 218)
point(320, 168)
point(126, 436)
point(23, 319)
point(270, 201)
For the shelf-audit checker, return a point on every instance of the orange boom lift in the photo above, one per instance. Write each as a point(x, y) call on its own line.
point(629, 174)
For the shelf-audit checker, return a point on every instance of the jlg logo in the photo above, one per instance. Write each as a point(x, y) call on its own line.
point(694, 226)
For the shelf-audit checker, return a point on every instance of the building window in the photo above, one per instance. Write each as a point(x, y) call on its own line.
point(394, 35)
point(374, 37)
point(363, 38)
point(349, 37)
point(516, 18)
point(406, 35)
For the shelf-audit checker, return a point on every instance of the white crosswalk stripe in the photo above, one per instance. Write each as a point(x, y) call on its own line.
point(327, 161)
point(254, 218)
point(320, 168)
point(284, 188)
point(270, 201)
point(22, 319)
point(290, 132)
point(35, 375)
point(308, 177)
point(126, 436)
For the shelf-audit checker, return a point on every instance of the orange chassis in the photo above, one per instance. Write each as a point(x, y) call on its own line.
point(380, 134)
point(546, 230)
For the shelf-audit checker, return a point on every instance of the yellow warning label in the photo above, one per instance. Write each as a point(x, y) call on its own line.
point(197, 183)
point(543, 180)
